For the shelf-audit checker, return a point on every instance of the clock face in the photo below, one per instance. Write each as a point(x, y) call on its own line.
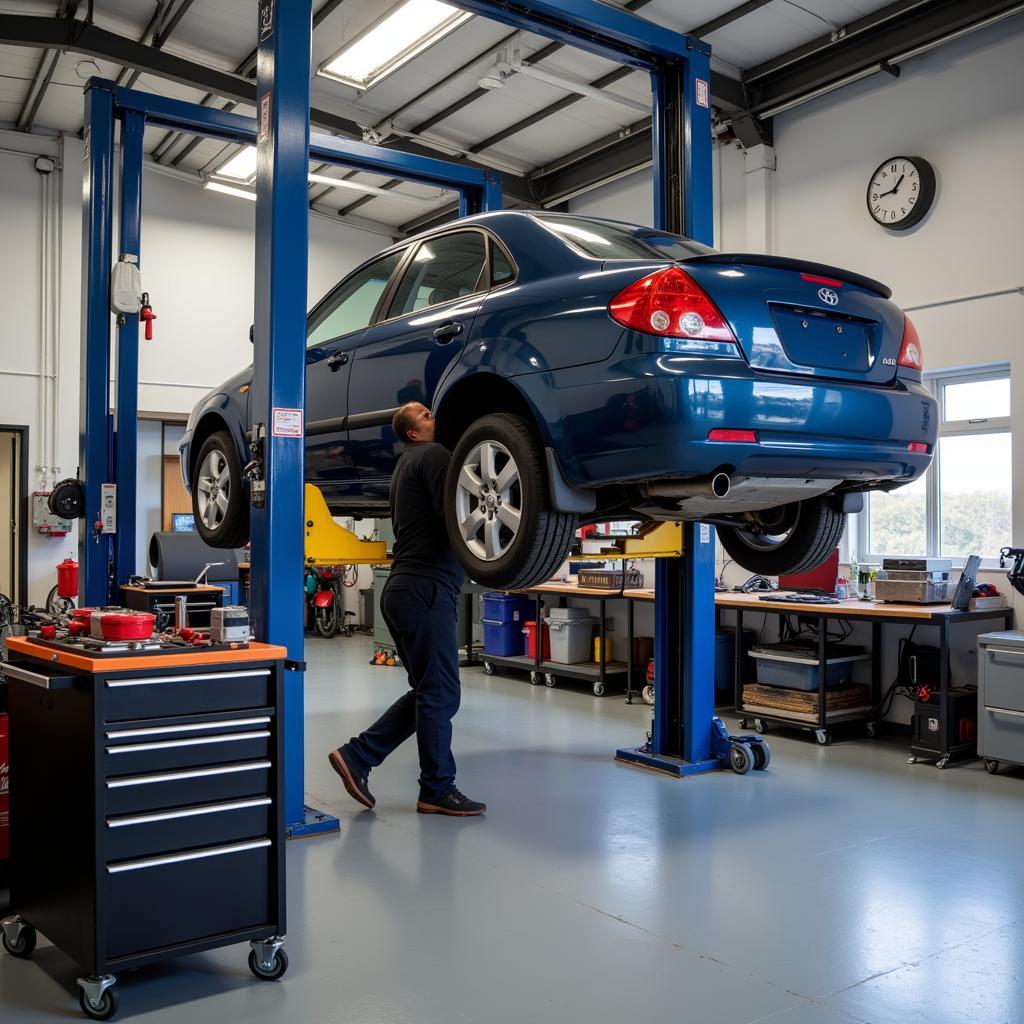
point(900, 191)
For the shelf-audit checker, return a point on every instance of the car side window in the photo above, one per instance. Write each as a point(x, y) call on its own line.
point(502, 270)
point(351, 309)
point(441, 269)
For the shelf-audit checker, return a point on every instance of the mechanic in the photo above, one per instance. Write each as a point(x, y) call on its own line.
point(419, 607)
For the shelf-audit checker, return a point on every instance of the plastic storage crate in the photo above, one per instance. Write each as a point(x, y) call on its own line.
point(798, 670)
point(571, 630)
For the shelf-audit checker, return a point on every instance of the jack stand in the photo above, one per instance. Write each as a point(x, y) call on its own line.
point(687, 738)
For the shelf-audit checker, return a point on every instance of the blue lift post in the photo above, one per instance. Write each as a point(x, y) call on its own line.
point(108, 560)
point(686, 738)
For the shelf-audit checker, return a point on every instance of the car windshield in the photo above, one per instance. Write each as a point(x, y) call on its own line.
point(608, 240)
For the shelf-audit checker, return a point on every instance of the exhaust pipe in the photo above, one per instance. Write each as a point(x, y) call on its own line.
point(717, 485)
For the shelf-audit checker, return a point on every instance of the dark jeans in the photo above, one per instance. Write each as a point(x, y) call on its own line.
point(421, 615)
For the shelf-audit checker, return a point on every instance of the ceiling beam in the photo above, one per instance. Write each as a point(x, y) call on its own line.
point(162, 32)
point(864, 45)
point(44, 73)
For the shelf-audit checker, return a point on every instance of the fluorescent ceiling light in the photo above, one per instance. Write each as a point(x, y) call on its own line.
point(396, 38)
point(242, 166)
point(230, 190)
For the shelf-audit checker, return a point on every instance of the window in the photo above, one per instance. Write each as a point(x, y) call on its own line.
point(502, 270)
point(442, 269)
point(961, 506)
point(351, 307)
point(609, 240)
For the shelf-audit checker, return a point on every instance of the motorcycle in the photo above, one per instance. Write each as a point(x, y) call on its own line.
point(324, 601)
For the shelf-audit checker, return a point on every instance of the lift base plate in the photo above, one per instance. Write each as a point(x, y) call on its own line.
point(314, 823)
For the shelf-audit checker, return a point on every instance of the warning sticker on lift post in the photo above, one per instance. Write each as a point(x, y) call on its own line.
point(287, 423)
point(703, 93)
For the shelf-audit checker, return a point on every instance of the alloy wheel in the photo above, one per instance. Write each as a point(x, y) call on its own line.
point(489, 500)
point(213, 489)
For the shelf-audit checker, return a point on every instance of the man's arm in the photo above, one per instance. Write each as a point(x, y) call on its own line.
point(435, 470)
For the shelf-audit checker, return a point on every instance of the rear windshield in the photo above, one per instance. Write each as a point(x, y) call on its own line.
point(608, 240)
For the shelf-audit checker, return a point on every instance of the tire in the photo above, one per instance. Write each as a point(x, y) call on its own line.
point(500, 522)
point(991, 766)
point(809, 532)
point(741, 758)
point(327, 620)
point(221, 523)
point(648, 695)
point(57, 605)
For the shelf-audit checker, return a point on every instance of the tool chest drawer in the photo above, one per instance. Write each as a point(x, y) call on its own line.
point(150, 833)
point(133, 751)
point(151, 903)
point(1001, 734)
point(182, 787)
point(1003, 677)
point(157, 696)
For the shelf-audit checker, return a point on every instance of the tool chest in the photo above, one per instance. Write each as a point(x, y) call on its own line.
point(147, 819)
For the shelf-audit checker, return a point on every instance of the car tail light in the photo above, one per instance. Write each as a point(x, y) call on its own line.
point(918, 447)
point(670, 304)
point(742, 436)
point(911, 355)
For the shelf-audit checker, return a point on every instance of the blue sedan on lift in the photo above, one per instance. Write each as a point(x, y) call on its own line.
point(585, 370)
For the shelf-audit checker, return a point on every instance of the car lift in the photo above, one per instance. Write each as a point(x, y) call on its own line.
point(686, 737)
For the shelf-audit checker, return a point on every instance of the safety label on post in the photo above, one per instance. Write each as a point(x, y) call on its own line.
point(287, 423)
point(264, 132)
point(703, 93)
point(705, 533)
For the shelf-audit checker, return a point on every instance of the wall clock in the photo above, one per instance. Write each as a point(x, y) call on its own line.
point(901, 191)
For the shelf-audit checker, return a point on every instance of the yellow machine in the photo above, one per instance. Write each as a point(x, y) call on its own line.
point(655, 540)
point(327, 543)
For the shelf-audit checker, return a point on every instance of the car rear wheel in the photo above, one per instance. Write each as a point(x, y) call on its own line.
point(795, 538)
point(218, 497)
point(500, 520)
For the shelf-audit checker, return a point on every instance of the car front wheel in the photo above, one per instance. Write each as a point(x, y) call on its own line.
point(219, 501)
point(501, 524)
point(792, 539)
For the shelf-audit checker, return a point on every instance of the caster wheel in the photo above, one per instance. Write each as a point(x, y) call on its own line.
point(942, 762)
point(535, 678)
point(823, 736)
point(104, 1008)
point(25, 945)
point(872, 729)
point(991, 766)
point(743, 723)
point(488, 669)
point(549, 679)
point(760, 726)
point(741, 759)
point(912, 759)
point(598, 689)
point(276, 972)
point(762, 756)
point(648, 695)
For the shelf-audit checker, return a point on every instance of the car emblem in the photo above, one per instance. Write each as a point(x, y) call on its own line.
point(828, 296)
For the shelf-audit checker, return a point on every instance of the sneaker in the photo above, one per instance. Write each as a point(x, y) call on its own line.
point(354, 781)
point(453, 803)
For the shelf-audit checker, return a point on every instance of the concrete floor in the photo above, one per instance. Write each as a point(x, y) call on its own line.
point(840, 886)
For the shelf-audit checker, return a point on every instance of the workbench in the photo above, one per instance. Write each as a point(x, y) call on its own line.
point(147, 813)
point(938, 616)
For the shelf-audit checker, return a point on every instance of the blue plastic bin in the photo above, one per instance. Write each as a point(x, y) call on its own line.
point(795, 673)
point(504, 615)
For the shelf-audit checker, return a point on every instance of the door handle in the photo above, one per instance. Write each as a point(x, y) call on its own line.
point(448, 331)
point(337, 361)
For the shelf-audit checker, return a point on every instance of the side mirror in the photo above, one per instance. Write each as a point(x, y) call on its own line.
point(252, 334)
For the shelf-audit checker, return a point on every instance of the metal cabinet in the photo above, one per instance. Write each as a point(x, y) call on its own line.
point(1001, 698)
point(147, 818)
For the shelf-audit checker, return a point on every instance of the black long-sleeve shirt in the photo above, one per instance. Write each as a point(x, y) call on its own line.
point(417, 514)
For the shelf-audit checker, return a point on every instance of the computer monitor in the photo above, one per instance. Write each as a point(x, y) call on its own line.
point(183, 522)
point(822, 579)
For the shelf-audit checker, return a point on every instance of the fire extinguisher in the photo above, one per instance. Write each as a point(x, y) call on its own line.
point(5, 791)
point(67, 578)
point(147, 316)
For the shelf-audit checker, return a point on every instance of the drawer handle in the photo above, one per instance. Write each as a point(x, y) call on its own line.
point(181, 858)
point(192, 606)
point(196, 773)
point(199, 677)
point(169, 730)
point(195, 741)
point(1005, 711)
point(993, 651)
point(188, 812)
point(45, 682)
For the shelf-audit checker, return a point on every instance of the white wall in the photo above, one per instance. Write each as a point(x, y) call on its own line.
point(960, 106)
point(198, 265)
